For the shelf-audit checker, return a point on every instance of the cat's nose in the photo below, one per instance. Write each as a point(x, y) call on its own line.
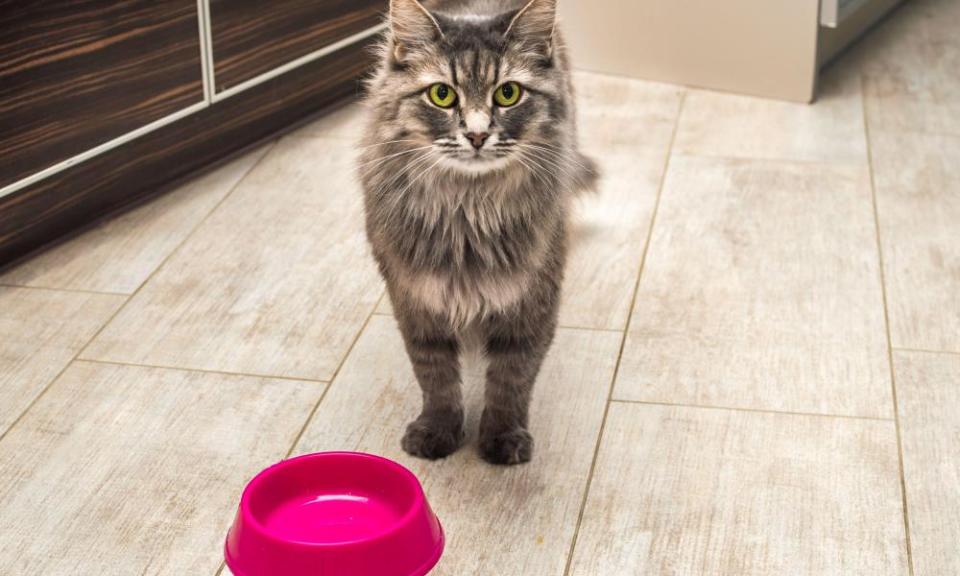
point(477, 139)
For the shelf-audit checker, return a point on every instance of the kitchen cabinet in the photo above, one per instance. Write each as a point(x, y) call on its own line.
point(106, 102)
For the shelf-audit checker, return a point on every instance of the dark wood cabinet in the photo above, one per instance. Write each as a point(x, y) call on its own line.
point(106, 102)
point(77, 73)
point(251, 37)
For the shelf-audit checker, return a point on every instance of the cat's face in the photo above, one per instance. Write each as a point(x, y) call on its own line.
point(477, 92)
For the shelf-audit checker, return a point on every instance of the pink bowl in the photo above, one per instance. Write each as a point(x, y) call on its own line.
point(332, 514)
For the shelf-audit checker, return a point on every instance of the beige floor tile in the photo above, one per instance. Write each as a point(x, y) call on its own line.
point(510, 522)
point(917, 177)
point(119, 254)
point(761, 290)
point(345, 123)
point(908, 103)
point(910, 65)
point(727, 125)
point(384, 307)
point(626, 126)
point(625, 115)
point(277, 282)
point(900, 38)
point(928, 394)
point(681, 490)
point(40, 333)
point(124, 470)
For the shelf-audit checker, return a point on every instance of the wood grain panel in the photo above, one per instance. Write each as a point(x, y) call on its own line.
point(156, 161)
point(77, 73)
point(251, 37)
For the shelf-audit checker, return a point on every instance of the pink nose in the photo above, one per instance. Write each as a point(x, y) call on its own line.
point(478, 139)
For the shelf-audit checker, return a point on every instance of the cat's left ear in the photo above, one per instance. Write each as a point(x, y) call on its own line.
point(535, 24)
point(412, 26)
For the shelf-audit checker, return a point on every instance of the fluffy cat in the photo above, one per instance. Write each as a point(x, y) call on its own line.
point(469, 164)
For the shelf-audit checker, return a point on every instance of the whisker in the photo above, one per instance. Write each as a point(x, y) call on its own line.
point(532, 168)
point(554, 152)
point(382, 144)
point(419, 160)
point(552, 162)
point(377, 161)
point(396, 199)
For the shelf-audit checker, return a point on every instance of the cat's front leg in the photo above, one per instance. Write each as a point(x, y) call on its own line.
point(435, 354)
point(516, 349)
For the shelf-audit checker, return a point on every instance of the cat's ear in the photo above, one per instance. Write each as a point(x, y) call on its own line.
point(411, 26)
point(535, 24)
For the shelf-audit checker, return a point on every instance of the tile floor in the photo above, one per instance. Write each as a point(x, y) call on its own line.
point(758, 371)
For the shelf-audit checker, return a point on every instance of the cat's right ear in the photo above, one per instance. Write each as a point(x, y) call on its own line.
point(534, 25)
point(411, 26)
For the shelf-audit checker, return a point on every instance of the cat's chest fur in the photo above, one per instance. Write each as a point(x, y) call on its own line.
point(468, 252)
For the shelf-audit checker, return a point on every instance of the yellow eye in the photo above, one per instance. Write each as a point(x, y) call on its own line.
point(508, 94)
point(443, 95)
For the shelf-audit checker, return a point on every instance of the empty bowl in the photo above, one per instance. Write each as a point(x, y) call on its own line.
point(331, 514)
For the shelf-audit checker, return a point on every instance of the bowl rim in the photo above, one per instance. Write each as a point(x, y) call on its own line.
point(403, 522)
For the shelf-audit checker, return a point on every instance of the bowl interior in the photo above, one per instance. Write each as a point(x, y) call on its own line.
point(333, 498)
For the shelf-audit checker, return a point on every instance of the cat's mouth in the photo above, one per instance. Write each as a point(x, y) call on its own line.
point(476, 161)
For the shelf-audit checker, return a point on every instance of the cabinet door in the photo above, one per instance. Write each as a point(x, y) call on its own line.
point(77, 73)
point(251, 37)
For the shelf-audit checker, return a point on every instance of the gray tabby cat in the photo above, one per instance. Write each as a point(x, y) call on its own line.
point(469, 165)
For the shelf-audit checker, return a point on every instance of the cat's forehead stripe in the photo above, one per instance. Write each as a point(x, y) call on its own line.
point(471, 18)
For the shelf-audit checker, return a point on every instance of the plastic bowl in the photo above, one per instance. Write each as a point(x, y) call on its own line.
point(332, 514)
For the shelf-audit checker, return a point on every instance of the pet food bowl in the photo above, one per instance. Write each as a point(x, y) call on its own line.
point(334, 514)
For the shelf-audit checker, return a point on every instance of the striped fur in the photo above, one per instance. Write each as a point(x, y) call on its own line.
point(472, 241)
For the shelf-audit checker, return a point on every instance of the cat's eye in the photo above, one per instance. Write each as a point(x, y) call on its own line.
point(507, 94)
point(442, 95)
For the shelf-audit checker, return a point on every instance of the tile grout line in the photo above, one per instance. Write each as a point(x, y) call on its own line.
point(623, 339)
point(30, 405)
point(924, 351)
point(886, 319)
point(73, 290)
point(590, 329)
point(316, 406)
point(202, 370)
point(750, 410)
point(179, 245)
point(333, 379)
point(130, 297)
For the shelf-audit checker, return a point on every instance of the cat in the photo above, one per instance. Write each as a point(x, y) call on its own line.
point(468, 167)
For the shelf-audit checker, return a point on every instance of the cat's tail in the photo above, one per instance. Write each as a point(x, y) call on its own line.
point(586, 176)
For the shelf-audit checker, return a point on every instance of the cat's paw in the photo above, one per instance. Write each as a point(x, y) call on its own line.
point(507, 448)
point(433, 438)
